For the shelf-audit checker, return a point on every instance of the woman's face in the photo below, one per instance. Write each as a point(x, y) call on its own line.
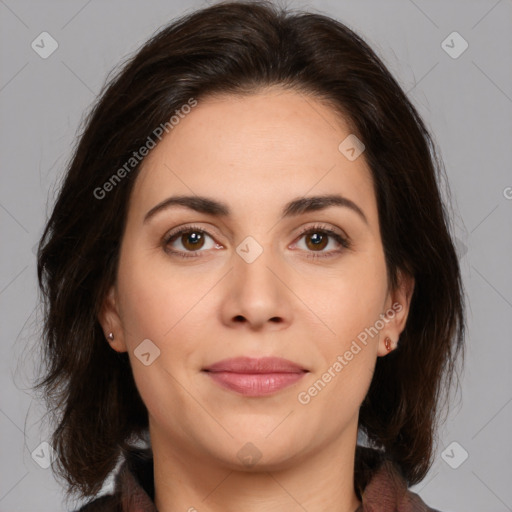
point(244, 281)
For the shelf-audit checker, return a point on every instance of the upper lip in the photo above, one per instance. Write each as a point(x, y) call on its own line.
point(255, 365)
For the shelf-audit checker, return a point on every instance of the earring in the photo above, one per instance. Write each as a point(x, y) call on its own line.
point(110, 336)
point(387, 343)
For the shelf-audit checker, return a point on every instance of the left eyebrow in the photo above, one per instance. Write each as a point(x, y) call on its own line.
point(295, 207)
point(316, 203)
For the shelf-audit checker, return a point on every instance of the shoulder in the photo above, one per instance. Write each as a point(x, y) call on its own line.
point(133, 486)
point(383, 485)
point(106, 503)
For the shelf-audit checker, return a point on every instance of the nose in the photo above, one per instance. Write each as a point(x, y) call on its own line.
point(256, 295)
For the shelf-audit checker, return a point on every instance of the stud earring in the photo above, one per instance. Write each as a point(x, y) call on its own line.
point(110, 336)
point(387, 343)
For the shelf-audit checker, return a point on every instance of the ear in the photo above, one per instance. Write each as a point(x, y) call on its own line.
point(110, 321)
point(395, 313)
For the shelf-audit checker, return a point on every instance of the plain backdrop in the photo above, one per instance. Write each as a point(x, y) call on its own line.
point(466, 101)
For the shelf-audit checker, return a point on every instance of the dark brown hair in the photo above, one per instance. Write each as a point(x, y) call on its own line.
point(239, 48)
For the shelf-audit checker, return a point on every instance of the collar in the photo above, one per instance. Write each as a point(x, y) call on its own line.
point(386, 490)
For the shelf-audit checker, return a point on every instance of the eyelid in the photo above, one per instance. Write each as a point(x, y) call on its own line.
point(185, 228)
point(321, 226)
point(210, 231)
point(338, 235)
point(331, 231)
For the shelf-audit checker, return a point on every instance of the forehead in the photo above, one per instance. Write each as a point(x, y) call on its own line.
point(262, 148)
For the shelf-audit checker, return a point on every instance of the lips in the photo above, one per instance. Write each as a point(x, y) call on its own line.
point(256, 365)
point(255, 376)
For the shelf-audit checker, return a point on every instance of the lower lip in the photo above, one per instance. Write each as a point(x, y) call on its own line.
point(255, 384)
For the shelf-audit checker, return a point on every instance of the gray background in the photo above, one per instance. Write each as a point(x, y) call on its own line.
point(467, 104)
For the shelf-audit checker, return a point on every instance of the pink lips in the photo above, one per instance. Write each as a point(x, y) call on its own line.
point(255, 376)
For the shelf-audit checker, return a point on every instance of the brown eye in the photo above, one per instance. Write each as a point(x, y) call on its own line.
point(188, 242)
point(316, 240)
point(192, 240)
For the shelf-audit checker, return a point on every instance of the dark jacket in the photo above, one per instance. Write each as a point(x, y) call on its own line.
point(386, 490)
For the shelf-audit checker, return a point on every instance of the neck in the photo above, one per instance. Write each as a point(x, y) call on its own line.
point(194, 482)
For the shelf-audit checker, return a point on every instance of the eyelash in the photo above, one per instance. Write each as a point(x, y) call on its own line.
point(318, 228)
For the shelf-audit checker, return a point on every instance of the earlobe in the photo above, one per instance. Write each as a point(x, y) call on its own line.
point(398, 311)
point(111, 322)
point(386, 346)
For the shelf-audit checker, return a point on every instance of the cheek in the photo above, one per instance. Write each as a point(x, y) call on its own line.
point(154, 307)
point(349, 305)
point(350, 301)
point(163, 305)
point(345, 392)
point(153, 298)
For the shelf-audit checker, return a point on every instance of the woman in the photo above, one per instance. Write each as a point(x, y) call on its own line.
point(248, 269)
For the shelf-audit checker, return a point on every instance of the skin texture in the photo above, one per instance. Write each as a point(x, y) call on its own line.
point(255, 153)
